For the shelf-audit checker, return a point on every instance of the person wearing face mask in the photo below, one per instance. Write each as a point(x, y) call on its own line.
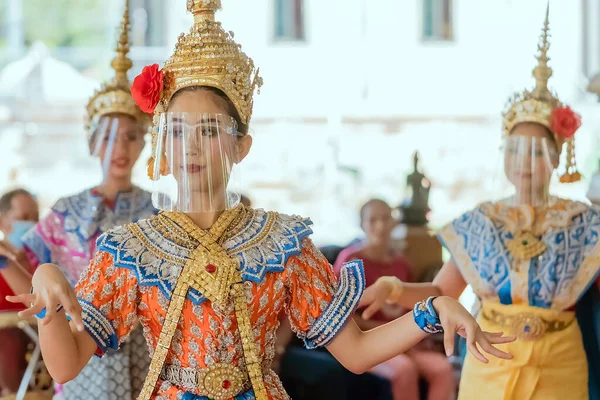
point(116, 129)
point(380, 259)
point(18, 213)
point(532, 259)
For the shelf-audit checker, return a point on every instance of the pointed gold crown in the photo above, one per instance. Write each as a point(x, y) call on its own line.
point(115, 96)
point(535, 105)
point(208, 56)
point(539, 104)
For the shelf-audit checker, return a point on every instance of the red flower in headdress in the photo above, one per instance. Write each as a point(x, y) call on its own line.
point(147, 88)
point(565, 122)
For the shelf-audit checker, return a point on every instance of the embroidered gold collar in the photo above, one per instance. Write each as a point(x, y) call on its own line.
point(536, 220)
point(213, 271)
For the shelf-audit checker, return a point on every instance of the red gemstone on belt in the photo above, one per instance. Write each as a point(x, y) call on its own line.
point(226, 384)
point(211, 269)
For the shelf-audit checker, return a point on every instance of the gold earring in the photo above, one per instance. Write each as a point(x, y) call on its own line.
point(164, 167)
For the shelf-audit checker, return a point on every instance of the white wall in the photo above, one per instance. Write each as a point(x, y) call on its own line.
point(491, 56)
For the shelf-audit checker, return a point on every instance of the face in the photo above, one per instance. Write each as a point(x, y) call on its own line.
point(23, 208)
point(200, 142)
point(120, 139)
point(377, 222)
point(530, 157)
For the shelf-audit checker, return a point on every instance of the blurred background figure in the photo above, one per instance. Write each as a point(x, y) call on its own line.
point(531, 258)
point(380, 259)
point(115, 129)
point(18, 213)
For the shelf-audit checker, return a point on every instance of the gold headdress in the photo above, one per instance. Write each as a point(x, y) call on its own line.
point(542, 106)
point(208, 56)
point(114, 96)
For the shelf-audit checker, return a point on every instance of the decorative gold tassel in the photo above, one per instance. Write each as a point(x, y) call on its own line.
point(164, 168)
point(150, 169)
point(571, 174)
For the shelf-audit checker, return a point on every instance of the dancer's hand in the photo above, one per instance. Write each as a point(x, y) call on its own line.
point(50, 290)
point(378, 294)
point(455, 318)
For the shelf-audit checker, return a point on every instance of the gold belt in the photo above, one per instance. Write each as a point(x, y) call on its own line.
point(218, 381)
point(526, 326)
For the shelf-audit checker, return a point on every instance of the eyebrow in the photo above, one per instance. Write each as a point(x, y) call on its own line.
point(211, 120)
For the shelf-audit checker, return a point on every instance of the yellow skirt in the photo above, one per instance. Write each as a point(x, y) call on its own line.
point(554, 367)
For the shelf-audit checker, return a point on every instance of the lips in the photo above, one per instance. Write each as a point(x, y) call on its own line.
point(193, 168)
point(120, 162)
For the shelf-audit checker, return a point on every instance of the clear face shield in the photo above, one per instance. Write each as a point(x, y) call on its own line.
point(196, 163)
point(529, 163)
point(118, 141)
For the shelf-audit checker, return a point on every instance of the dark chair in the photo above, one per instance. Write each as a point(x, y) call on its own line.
point(317, 375)
point(331, 253)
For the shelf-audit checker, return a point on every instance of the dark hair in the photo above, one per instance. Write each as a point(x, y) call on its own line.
point(368, 204)
point(7, 198)
point(227, 103)
point(245, 201)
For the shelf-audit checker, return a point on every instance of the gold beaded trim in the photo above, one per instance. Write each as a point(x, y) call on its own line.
point(271, 218)
point(168, 330)
point(235, 226)
point(173, 232)
point(136, 231)
point(253, 360)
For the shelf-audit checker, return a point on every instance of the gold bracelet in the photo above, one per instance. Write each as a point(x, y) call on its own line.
point(397, 288)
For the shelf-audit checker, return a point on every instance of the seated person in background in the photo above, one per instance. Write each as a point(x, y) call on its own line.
point(18, 213)
point(379, 259)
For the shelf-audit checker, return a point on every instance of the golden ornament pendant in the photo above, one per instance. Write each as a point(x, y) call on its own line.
point(525, 246)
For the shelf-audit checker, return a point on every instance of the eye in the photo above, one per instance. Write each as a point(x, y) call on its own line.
point(208, 131)
point(177, 131)
point(131, 136)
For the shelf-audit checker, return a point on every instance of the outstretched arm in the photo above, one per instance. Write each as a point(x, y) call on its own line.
point(360, 351)
point(66, 346)
point(448, 282)
point(319, 309)
point(102, 313)
point(66, 350)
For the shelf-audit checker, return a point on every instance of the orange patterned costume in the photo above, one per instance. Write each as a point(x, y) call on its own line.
point(138, 267)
